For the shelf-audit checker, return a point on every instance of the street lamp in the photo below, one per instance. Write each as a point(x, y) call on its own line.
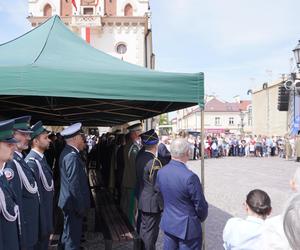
point(297, 54)
point(292, 85)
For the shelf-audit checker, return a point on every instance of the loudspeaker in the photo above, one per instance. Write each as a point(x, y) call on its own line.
point(283, 99)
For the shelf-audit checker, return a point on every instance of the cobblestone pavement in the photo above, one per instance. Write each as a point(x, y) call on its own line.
point(227, 182)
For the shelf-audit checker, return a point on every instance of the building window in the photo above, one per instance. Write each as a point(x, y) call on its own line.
point(48, 10)
point(249, 121)
point(217, 121)
point(128, 10)
point(231, 121)
point(121, 48)
point(88, 11)
point(250, 109)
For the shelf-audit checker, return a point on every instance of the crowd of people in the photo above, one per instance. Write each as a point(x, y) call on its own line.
point(216, 146)
point(44, 182)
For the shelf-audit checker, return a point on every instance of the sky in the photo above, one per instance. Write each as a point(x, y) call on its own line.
point(238, 44)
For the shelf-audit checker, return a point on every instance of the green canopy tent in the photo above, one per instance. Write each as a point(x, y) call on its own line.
point(54, 76)
point(57, 77)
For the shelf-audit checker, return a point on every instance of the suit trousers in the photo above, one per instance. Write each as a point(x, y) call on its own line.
point(173, 243)
point(72, 231)
point(149, 229)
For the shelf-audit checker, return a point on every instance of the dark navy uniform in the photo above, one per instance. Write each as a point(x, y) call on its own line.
point(151, 205)
point(9, 217)
point(24, 185)
point(74, 198)
point(10, 228)
point(43, 176)
point(163, 154)
point(149, 201)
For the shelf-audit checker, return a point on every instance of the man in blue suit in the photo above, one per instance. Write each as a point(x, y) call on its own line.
point(185, 206)
point(74, 197)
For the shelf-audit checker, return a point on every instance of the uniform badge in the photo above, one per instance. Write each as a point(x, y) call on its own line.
point(9, 173)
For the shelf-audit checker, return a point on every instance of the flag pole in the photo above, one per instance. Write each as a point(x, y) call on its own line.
point(202, 169)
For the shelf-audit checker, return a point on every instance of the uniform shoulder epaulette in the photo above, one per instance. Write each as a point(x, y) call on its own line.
point(30, 159)
point(156, 165)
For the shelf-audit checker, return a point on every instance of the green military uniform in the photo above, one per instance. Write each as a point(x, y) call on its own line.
point(129, 180)
point(131, 149)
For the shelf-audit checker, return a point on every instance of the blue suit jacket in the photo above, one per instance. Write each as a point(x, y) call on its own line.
point(185, 206)
point(74, 189)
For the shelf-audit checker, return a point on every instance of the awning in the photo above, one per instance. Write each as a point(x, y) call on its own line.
point(55, 76)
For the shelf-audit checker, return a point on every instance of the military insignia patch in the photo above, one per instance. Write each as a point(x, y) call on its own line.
point(9, 173)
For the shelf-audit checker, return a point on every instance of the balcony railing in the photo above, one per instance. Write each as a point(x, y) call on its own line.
point(82, 20)
point(85, 20)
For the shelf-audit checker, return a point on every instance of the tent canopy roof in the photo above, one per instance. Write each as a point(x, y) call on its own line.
point(57, 77)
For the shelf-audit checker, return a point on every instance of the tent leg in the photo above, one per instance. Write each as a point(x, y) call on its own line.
point(202, 170)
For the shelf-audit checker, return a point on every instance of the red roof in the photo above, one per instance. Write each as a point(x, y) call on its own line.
point(244, 105)
point(215, 105)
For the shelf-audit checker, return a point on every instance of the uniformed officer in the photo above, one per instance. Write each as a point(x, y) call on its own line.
point(36, 160)
point(24, 185)
point(131, 150)
point(9, 210)
point(163, 154)
point(150, 201)
point(74, 197)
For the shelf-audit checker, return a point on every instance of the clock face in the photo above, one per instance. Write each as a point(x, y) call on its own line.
point(121, 48)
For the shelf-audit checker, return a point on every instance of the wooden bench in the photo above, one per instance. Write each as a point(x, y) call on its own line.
point(110, 218)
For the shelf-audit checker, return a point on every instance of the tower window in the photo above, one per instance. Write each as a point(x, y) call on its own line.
point(121, 48)
point(48, 10)
point(88, 11)
point(128, 10)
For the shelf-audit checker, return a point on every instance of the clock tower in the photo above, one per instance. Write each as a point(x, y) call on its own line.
point(121, 28)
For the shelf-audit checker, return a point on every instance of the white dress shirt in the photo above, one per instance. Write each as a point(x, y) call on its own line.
point(273, 234)
point(39, 153)
point(240, 234)
point(19, 154)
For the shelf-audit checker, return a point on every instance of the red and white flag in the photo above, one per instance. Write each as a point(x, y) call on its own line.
point(74, 4)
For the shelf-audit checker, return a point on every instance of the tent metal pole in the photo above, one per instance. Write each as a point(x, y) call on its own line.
point(202, 169)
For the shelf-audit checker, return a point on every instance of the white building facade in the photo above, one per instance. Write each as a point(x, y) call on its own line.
point(220, 117)
point(121, 28)
point(267, 119)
